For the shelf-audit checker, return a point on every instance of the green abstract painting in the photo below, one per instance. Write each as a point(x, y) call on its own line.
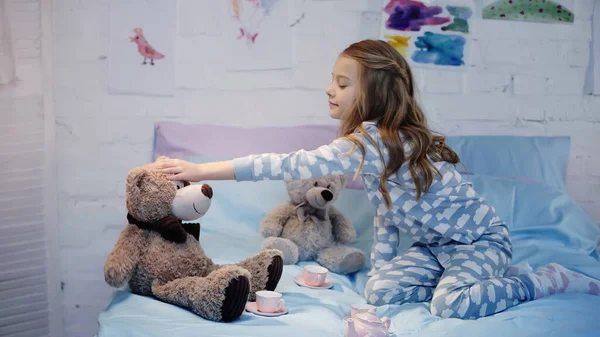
point(529, 10)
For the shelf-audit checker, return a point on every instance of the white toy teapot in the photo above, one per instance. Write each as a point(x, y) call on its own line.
point(367, 324)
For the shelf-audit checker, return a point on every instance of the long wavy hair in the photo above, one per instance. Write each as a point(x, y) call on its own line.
point(386, 96)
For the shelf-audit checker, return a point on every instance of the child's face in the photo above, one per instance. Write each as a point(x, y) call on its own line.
point(343, 88)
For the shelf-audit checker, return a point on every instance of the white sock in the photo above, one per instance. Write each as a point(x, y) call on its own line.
point(517, 269)
point(554, 278)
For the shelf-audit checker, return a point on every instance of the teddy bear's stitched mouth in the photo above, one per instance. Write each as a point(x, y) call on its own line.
point(194, 206)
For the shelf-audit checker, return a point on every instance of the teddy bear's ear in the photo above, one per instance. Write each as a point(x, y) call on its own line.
point(134, 180)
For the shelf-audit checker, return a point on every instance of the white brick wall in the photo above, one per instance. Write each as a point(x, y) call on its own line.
point(524, 81)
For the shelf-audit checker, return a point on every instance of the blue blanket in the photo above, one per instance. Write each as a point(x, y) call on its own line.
point(546, 225)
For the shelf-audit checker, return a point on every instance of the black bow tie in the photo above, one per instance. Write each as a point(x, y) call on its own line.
point(170, 228)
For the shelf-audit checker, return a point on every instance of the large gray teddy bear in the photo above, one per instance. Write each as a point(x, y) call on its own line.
point(309, 227)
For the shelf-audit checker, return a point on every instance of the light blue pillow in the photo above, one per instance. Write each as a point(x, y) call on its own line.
point(540, 159)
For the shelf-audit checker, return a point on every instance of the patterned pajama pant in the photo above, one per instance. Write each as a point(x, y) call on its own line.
point(461, 281)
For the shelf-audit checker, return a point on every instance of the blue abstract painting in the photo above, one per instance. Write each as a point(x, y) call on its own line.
point(461, 17)
point(432, 34)
point(440, 49)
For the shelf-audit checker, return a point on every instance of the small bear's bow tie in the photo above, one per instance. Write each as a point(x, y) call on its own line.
point(305, 211)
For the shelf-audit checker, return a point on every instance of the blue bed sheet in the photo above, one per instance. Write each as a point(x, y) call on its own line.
point(546, 226)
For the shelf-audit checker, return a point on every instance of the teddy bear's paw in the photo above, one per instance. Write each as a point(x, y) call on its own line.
point(275, 270)
point(236, 296)
point(270, 228)
point(233, 282)
point(289, 250)
point(114, 276)
point(265, 268)
point(346, 233)
point(342, 259)
point(352, 262)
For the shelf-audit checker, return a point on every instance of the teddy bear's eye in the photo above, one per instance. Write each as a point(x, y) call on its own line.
point(178, 187)
point(316, 184)
point(328, 186)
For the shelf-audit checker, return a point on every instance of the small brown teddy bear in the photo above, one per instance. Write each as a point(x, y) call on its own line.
point(158, 255)
point(309, 227)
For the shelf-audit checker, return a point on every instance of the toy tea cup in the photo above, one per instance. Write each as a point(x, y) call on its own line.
point(315, 275)
point(269, 301)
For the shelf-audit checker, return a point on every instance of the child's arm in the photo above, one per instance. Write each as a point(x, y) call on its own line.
point(182, 170)
point(339, 157)
point(385, 244)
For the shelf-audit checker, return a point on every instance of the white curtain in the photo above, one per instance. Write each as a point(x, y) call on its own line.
point(29, 293)
point(7, 68)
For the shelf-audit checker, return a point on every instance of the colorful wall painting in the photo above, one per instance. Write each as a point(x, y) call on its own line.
point(429, 33)
point(546, 11)
point(400, 43)
point(250, 14)
point(141, 51)
point(258, 34)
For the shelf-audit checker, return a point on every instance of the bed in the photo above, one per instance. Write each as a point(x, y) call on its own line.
point(523, 177)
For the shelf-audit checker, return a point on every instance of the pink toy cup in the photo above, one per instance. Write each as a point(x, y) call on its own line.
point(315, 275)
point(269, 301)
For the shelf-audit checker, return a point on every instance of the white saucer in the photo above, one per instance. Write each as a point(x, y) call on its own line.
point(299, 279)
point(251, 306)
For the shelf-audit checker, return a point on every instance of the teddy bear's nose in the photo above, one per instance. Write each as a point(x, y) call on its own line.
point(327, 195)
point(207, 191)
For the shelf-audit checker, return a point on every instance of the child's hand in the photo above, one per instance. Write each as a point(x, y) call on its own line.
point(177, 169)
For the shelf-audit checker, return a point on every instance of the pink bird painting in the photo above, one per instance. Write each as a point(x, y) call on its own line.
point(144, 48)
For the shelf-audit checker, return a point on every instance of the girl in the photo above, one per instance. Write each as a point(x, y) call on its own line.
point(462, 251)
